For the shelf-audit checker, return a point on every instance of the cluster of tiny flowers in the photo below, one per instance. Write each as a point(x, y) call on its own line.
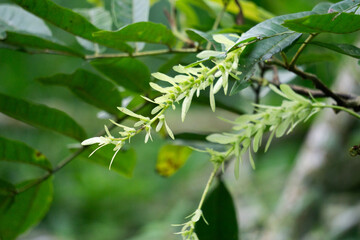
point(278, 120)
point(190, 81)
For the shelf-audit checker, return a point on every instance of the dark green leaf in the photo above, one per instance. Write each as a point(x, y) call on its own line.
point(42, 116)
point(199, 36)
point(238, 86)
point(272, 38)
point(219, 211)
point(346, 49)
point(191, 136)
point(261, 51)
point(270, 28)
point(332, 23)
point(124, 162)
point(27, 209)
point(15, 151)
point(313, 58)
point(29, 41)
point(140, 32)
point(69, 21)
point(127, 72)
point(91, 88)
point(6, 189)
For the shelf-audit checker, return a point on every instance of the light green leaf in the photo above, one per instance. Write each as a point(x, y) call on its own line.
point(126, 12)
point(332, 23)
point(290, 94)
point(269, 140)
point(220, 138)
point(219, 211)
point(322, 7)
point(14, 18)
point(171, 158)
point(257, 139)
point(251, 160)
point(39, 115)
point(345, 49)
point(140, 32)
point(127, 72)
point(101, 19)
point(345, 6)
point(90, 87)
point(20, 28)
point(208, 54)
point(69, 21)
point(15, 151)
point(124, 162)
point(281, 129)
point(26, 210)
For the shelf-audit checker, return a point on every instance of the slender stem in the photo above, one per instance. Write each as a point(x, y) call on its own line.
point(340, 108)
point(301, 49)
point(208, 184)
point(141, 54)
point(285, 59)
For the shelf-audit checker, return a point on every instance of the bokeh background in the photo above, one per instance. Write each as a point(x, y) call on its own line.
point(306, 182)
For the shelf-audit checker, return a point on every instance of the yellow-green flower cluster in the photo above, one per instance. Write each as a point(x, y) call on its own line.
point(188, 82)
point(249, 128)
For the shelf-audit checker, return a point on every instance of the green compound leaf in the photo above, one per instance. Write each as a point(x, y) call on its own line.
point(25, 209)
point(171, 158)
point(39, 115)
point(15, 151)
point(221, 138)
point(69, 21)
point(127, 72)
point(124, 162)
point(331, 23)
point(346, 49)
point(90, 87)
point(219, 211)
point(140, 32)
